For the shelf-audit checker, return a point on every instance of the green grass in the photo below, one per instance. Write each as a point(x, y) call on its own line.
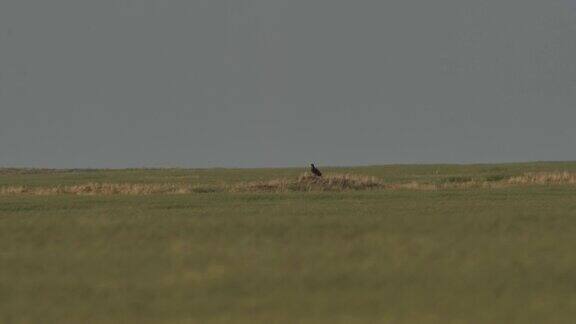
point(447, 256)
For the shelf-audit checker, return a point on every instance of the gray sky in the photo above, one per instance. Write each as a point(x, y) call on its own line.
point(251, 83)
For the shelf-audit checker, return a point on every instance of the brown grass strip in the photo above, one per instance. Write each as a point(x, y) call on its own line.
point(304, 183)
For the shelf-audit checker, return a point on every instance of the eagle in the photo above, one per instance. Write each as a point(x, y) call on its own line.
point(315, 171)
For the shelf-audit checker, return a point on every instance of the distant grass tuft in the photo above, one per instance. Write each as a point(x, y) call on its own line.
point(543, 178)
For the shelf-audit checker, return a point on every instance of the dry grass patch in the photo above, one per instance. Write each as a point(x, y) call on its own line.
point(310, 182)
point(544, 178)
point(109, 189)
point(304, 183)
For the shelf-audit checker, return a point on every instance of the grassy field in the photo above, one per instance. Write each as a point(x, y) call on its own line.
point(472, 255)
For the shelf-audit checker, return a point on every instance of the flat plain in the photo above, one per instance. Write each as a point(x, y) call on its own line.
point(462, 254)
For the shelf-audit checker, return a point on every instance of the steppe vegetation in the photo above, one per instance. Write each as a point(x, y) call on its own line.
point(306, 182)
point(382, 244)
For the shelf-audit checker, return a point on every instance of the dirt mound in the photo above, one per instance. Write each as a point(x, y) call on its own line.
point(310, 182)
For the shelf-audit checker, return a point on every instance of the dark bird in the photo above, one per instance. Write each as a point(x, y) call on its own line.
point(315, 171)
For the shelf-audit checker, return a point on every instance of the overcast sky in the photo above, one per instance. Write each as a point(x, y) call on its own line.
point(253, 83)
